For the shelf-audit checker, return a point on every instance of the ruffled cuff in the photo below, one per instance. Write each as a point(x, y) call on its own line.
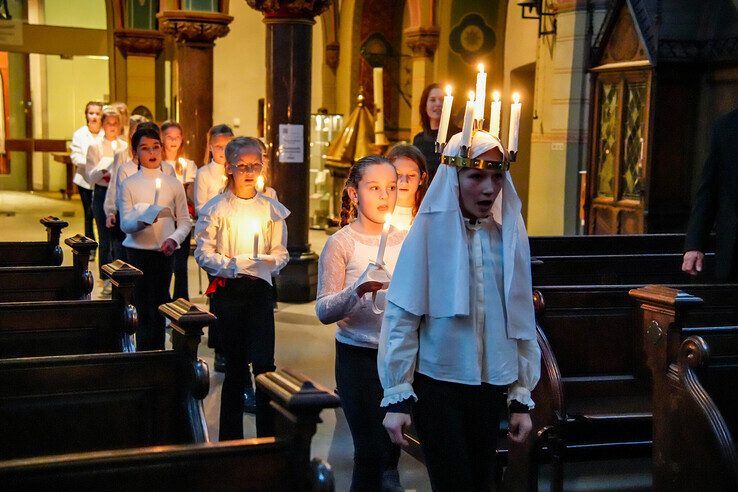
point(521, 394)
point(397, 394)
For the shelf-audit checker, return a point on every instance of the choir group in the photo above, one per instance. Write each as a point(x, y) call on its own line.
point(433, 312)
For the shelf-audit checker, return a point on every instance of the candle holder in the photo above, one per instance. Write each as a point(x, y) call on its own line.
point(439, 148)
point(512, 156)
point(464, 151)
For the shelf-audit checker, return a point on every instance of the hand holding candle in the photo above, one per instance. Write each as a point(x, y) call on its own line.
point(466, 132)
point(156, 193)
point(448, 101)
point(495, 114)
point(481, 93)
point(383, 239)
point(514, 133)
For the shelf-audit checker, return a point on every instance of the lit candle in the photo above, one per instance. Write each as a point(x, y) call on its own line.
point(466, 131)
point(495, 114)
point(448, 101)
point(512, 138)
point(260, 184)
point(114, 145)
point(255, 227)
point(481, 93)
point(383, 239)
point(157, 182)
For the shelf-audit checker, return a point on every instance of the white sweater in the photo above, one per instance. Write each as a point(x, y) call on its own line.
point(122, 168)
point(103, 148)
point(137, 194)
point(185, 171)
point(209, 181)
point(81, 141)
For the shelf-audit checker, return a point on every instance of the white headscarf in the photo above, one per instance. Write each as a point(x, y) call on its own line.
point(432, 275)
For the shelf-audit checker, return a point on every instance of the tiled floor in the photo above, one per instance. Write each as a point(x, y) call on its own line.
point(302, 344)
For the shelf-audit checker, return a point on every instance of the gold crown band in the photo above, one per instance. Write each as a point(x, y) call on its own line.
point(458, 161)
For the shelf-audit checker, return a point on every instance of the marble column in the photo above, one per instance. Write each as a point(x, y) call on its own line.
point(288, 64)
point(195, 33)
point(423, 42)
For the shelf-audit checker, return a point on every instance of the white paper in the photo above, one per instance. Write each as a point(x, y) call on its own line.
point(291, 143)
point(154, 212)
point(104, 164)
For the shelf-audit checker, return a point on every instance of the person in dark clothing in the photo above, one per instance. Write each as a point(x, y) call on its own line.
point(716, 204)
point(431, 103)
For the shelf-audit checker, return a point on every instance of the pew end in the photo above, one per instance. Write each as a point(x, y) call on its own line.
point(36, 253)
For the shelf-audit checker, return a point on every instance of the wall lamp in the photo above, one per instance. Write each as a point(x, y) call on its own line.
point(541, 12)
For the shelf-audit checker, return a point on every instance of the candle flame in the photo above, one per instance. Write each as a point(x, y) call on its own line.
point(481, 67)
point(471, 95)
point(496, 96)
point(255, 227)
point(260, 183)
point(448, 90)
point(516, 97)
point(158, 183)
point(387, 219)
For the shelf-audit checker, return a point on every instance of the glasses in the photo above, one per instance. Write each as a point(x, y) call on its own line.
point(248, 168)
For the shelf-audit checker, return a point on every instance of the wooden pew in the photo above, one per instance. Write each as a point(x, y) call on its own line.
point(51, 283)
point(93, 402)
point(36, 253)
point(281, 463)
point(694, 371)
point(33, 329)
point(621, 244)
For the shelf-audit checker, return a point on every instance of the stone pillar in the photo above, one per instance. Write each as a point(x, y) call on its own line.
point(423, 42)
point(139, 48)
point(288, 64)
point(195, 33)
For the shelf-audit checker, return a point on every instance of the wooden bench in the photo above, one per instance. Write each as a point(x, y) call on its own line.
point(281, 463)
point(51, 283)
point(33, 329)
point(621, 244)
point(92, 402)
point(694, 369)
point(36, 253)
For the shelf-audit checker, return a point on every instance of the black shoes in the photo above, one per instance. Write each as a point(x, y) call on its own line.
point(249, 401)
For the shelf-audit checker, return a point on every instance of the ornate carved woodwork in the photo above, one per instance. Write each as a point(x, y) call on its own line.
point(306, 9)
point(139, 41)
point(423, 41)
point(198, 28)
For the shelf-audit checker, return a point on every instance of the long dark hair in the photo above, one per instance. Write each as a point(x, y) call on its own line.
point(146, 129)
point(414, 154)
point(355, 175)
point(424, 118)
point(214, 132)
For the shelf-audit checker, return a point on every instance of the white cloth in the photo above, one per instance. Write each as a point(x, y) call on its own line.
point(402, 217)
point(124, 167)
point(467, 350)
point(81, 141)
point(184, 169)
point(225, 237)
point(137, 194)
point(344, 259)
point(209, 182)
point(96, 152)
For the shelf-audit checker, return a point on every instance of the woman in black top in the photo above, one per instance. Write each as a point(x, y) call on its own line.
point(431, 103)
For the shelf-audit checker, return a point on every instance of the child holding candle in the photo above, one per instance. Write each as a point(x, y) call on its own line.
point(412, 183)
point(241, 286)
point(151, 241)
point(85, 136)
point(100, 156)
point(343, 287)
point(459, 328)
point(185, 170)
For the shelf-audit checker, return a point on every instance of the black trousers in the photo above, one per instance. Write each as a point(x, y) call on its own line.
point(458, 425)
point(361, 393)
point(108, 248)
point(246, 319)
point(151, 292)
point(85, 196)
point(215, 337)
point(181, 255)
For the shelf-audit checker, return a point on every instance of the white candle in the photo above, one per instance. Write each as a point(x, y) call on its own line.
point(157, 182)
point(260, 183)
point(512, 138)
point(466, 131)
point(255, 227)
point(481, 93)
point(378, 72)
point(383, 239)
point(495, 114)
point(448, 101)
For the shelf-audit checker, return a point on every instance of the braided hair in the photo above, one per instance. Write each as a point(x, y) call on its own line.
point(355, 175)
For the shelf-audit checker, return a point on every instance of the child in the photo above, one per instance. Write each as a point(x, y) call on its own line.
point(85, 136)
point(369, 194)
point(412, 183)
point(185, 169)
point(459, 327)
point(100, 157)
point(241, 287)
point(151, 240)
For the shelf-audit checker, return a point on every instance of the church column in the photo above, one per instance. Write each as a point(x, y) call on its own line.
point(139, 48)
point(195, 33)
point(423, 42)
point(288, 65)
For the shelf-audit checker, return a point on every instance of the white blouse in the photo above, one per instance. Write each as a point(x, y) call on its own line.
point(225, 237)
point(402, 217)
point(103, 148)
point(184, 169)
point(122, 168)
point(344, 259)
point(468, 350)
point(209, 181)
point(81, 141)
point(136, 196)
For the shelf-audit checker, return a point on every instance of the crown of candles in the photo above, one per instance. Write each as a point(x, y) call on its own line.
point(474, 121)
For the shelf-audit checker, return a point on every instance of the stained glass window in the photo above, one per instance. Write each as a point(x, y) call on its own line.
point(608, 126)
point(633, 146)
